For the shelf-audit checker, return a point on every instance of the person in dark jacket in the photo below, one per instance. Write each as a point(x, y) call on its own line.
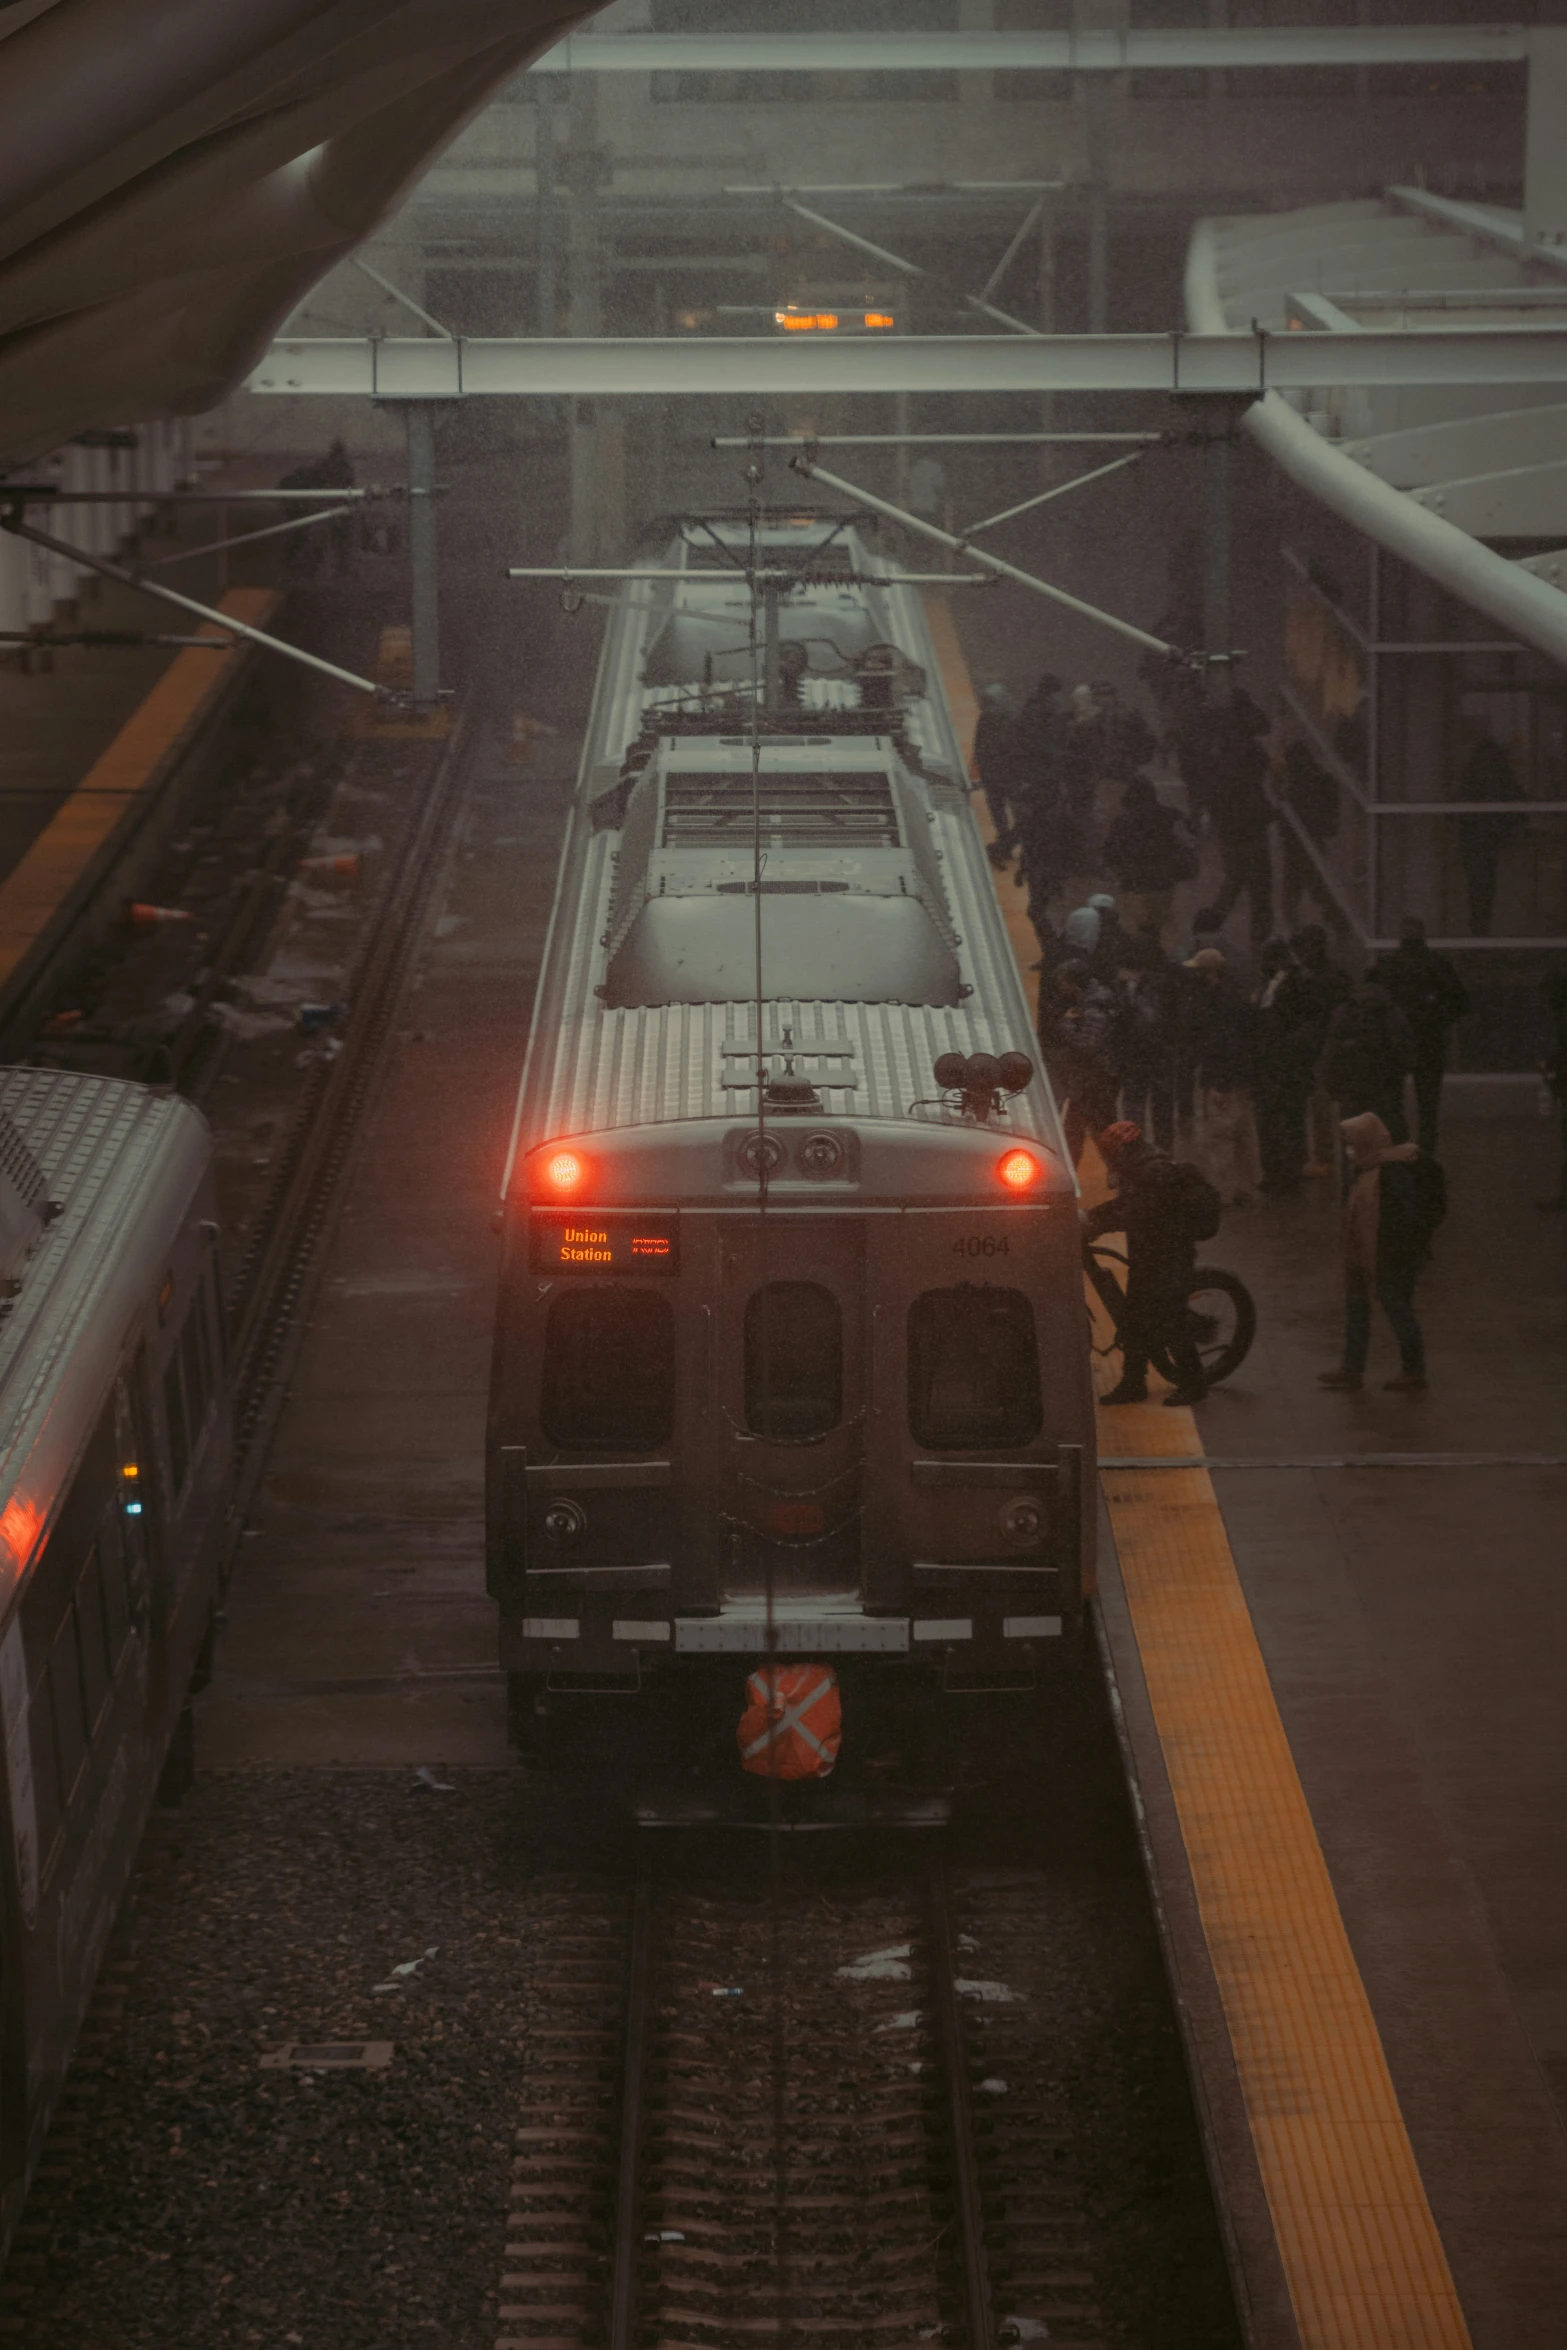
point(1240, 814)
point(1317, 987)
point(1078, 1024)
point(1148, 997)
point(995, 762)
point(1368, 1054)
point(1147, 850)
point(1433, 999)
point(1161, 1257)
point(1487, 775)
point(1396, 1200)
point(1283, 1072)
point(1219, 1043)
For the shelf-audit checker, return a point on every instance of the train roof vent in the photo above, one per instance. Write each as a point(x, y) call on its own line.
point(24, 1204)
point(811, 809)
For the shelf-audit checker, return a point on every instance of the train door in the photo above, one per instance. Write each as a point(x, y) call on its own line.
point(793, 1363)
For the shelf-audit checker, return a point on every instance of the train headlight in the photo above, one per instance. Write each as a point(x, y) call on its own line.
point(1018, 1170)
point(565, 1521)
point(760, 1154)
point(821, 1155)
point(1022, 1521)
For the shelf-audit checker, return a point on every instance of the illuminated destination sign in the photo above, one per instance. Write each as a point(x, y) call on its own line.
point(580, 1240)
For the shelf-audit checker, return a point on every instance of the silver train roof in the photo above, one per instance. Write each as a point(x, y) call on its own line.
point(593, 1066)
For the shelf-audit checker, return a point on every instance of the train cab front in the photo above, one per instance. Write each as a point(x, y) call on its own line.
point(787, 1418)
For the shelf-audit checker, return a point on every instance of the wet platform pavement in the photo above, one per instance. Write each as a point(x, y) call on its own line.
point(1409, 1619)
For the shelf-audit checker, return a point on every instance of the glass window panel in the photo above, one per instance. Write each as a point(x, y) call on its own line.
point(793, 1360)
point(609, 1369)
point(973, 1369)
point(92, 1638)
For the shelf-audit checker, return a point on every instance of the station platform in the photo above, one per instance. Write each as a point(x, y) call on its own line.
point(1334, 1625)
point(1334, 1631)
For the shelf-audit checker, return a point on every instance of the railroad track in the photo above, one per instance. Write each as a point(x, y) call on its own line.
point(267, 1306)
point(925, 2190)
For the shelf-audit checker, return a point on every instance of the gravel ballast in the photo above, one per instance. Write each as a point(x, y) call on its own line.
point(201, 2198)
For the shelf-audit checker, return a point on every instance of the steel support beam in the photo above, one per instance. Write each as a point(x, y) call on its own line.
point(1208, 48)
point(1523, 605)
point(743, 367)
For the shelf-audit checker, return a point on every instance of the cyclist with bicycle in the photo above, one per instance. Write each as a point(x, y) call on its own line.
point(1164, 1208)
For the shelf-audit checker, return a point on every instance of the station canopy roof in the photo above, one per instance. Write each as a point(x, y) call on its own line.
point(1468, 483)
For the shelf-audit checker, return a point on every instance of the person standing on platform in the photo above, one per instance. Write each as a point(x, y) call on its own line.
point(1148, 994)
point(995, 765)
point(1554, 1070)
point(1368, 1055)
point(1147, 850)
point(1433, 999)
point(1396, 1199)
point(1220, 1046)
point(1283, 1074)
point(1164, 1210)
point(1078, 1024)
point(1095, 931)
point(1317, 988)
point(1487, 775)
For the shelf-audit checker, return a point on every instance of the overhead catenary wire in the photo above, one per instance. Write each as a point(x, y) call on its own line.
point(168, 595)
point(806, 465)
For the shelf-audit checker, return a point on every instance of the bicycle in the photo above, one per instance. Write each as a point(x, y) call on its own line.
point(1221, 1311)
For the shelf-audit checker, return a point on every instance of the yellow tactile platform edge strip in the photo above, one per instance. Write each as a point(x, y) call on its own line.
point(42, 879)
point(1361, 2253)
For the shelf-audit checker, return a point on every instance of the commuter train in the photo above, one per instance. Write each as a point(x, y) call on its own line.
point(115, 1476)
point(791, 1343)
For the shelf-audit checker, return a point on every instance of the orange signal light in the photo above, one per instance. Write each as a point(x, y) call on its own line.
point(565, 1171)
point(1018, 1170)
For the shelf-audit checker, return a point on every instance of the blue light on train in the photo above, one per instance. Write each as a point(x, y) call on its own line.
point(133, 1509)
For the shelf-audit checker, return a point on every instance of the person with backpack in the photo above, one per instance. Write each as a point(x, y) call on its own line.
point(1164, 1207)
point(1368, 1054)
point(1396, 1199)
point(1079, 1021)
point(1148, 996)
point(1147, 850)
point(996, 764)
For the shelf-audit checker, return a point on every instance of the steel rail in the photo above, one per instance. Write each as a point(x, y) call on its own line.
point(267, 1306)
point(626, 2255)
point(978, 2314)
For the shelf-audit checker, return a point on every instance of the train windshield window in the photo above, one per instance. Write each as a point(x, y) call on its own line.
point(609, 1369)
point(793, 1360)
point(973, 1370)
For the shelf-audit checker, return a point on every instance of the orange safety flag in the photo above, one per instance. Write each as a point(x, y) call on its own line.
point(792, 1726)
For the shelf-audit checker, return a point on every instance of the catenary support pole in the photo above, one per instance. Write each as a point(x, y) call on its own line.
point(424, 588)
point(1216, 561)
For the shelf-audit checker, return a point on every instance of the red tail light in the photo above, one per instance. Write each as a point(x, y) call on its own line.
point(564, 1171)
point(1018, 1170)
